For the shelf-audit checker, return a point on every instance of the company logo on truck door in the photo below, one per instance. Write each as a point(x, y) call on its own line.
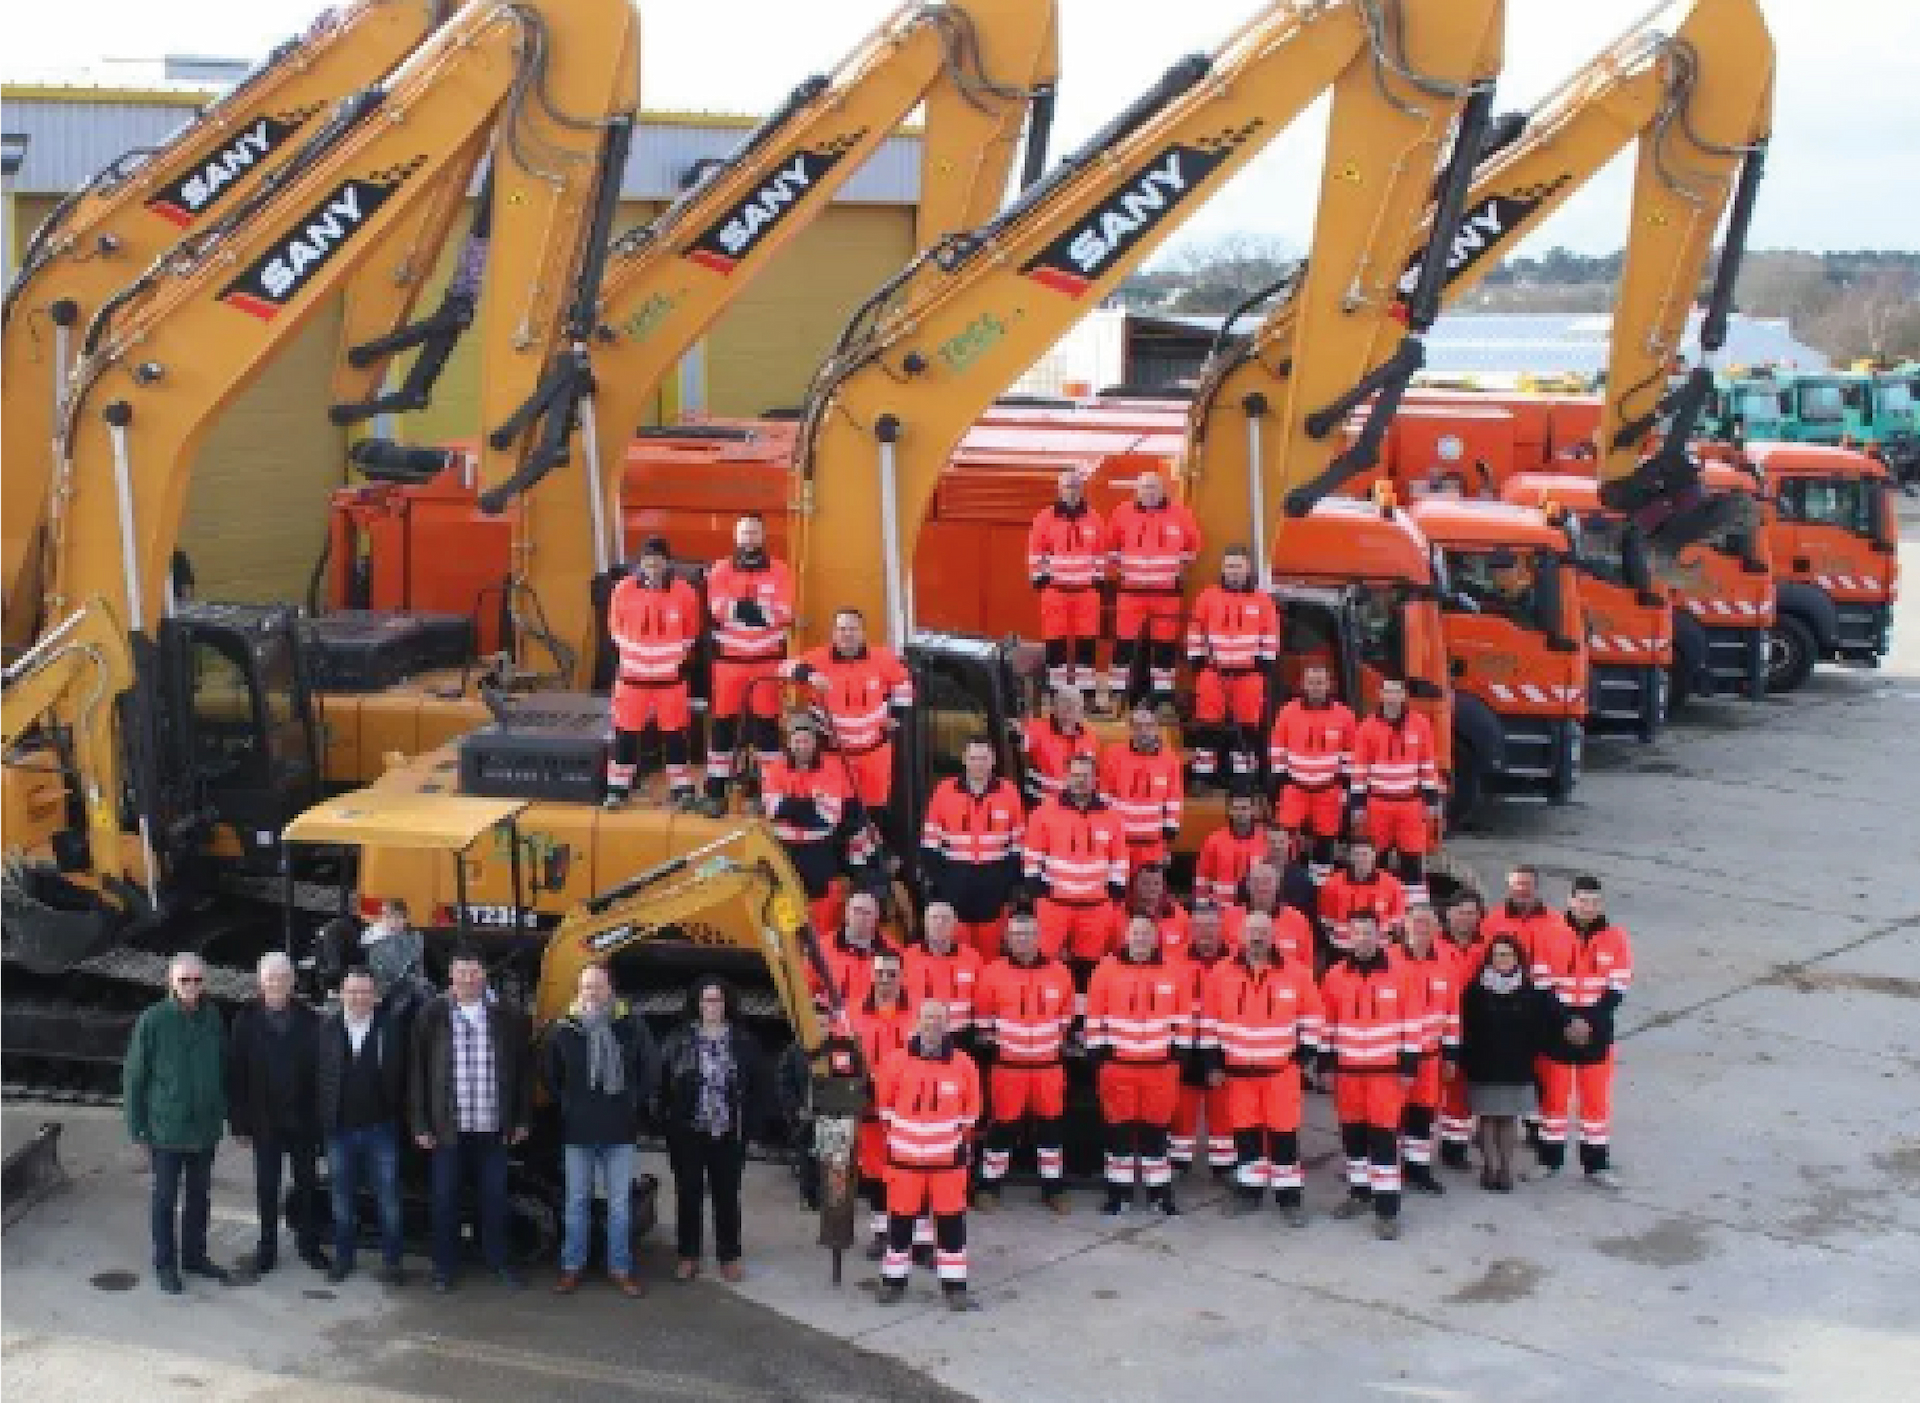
point(740, 230)
point(185, 200)
point(1481, 230)
point(1071, 262)
point(274, 278)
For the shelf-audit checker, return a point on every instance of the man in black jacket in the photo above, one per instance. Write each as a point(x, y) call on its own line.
point(600, 1067)
point(359, 1079)
point(470, 1094)
point(270, 1103)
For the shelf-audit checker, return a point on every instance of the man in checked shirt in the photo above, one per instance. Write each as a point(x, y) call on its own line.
point(471, 1097)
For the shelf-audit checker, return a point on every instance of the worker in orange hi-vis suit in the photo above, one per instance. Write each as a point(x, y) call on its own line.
point(941, 966)
point(1148, 895)
point(750, 601)
point(1141, 777)
point(1309, 753)
point(970, 845)
point(867, 694)
point(1050, 741)
point(1463, 945)
point(1076, 868)
point(1373, 1052)
point(1067, 562)
point(1227, 852)
point(1137, 1014)
point(1396, 784)
point(653, 620)
point(1359, 884)
point(882, 1023)
point(850, 953)
point(1262, 1024)
point(1432, 973)
point(1022, 1009)
point(1261, 893)
point(1153, 543)
point(1199, 1100)
point(818, 820)
point(1523, 917)
point(1587, 970)
point(928, 1096)
point(1233, 637)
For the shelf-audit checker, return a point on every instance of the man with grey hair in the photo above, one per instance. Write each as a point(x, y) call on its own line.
point(271, 1105)
point(174, 1089)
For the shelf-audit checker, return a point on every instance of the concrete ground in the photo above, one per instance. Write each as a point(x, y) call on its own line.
point(1766, 1244)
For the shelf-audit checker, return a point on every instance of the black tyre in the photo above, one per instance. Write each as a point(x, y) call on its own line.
point(1791, 654)
point(1469, 790)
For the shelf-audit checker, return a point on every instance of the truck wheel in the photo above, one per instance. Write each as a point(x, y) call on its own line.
point(1469, 789)
point(1791, 653)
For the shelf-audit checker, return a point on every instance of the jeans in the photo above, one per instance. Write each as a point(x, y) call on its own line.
point(482, 1155)
point(704, 1163)
point(169, 1168)
point(615, 1164)
point(268, 1153)
point(376, 1148)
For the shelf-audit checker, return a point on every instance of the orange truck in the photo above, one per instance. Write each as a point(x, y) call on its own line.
point(1515, 637)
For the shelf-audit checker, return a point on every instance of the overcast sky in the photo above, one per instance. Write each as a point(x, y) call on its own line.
point(1844, 171)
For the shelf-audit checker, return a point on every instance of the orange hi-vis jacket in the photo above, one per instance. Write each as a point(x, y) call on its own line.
point(1311, 746)
point(1146, 788)
point(1171, 919)
point(971, 846)
point(1341, 895)
point(1048, 751)
point(770, 586)
point(1194, 971)
point(1223, 862)
point(1077, 855)
point(1024, 1011)
point(1395, 759)
point(863, 692)
point(1373, 1013)
point(812, 805)
point(1138, 1011)
point(1530, 929)
point(850, 969)
point(881, 1032)
point(1435, 978)
point(1292, 931)
point(1583, 970)
point(1067, 547)
point(1257, 1020)
point(1232, 630)
point(1151, 546)
point(653, 628)
point(929, 1105)
point(951, 978)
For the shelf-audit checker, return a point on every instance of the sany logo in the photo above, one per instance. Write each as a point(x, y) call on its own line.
point(272, 279)
point(1071, 262)
point(1481, 230)
point(196, 192)
point(735, 234)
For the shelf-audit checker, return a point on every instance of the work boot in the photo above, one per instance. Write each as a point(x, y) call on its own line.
point(627, 1284)
point(1386, 1229)
point(567, 1283)
point(168, 1280)
point(263, 1261)
point(893, 1290)
point(1241, 1202)
point(877, 1248)
point(1453, 1154)
point(316, 1258)
point(1162, 1198)
point(1353, 1206)
point(1118, 1202)
point(339, 1272)
point(1420, 1176)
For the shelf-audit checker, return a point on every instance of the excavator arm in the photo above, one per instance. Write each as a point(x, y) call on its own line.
point(929, 352)
point(979, 67)
point(102, 236)
point(548, 82)
point(1695, 98)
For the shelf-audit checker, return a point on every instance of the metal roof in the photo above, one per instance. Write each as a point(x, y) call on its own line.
point(75, 131)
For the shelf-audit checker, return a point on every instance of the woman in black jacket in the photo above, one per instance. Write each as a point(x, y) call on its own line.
point(1502, 1029)
point(713, 1094)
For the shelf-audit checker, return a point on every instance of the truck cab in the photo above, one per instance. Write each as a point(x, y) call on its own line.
point(1835, 547)
point(1629, 617)
point(1515, 634)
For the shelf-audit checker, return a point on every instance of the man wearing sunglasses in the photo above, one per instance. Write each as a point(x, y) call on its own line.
point(176, 1102)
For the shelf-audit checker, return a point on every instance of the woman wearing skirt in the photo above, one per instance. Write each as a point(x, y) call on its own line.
point(1502, 1025)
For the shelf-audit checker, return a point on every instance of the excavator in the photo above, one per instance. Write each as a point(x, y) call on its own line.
point(102, 236)
point(213, 747)
point(1697, 100)
point(734, 895)
point(926, 356)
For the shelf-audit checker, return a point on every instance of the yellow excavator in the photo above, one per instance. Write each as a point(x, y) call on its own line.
point(734, 896)
point(102, 236)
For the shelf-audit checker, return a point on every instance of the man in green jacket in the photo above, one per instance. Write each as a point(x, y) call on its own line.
point(176, 1099)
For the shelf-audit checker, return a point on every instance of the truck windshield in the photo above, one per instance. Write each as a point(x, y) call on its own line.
point(1846, 502)
point(1894, 400)
point(1501, 582)
point(1758, 407)
point(1821, 402)
point(1603, 547)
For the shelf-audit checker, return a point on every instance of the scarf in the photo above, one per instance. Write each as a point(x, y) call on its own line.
point(606, 1067)
point(1492, 979)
